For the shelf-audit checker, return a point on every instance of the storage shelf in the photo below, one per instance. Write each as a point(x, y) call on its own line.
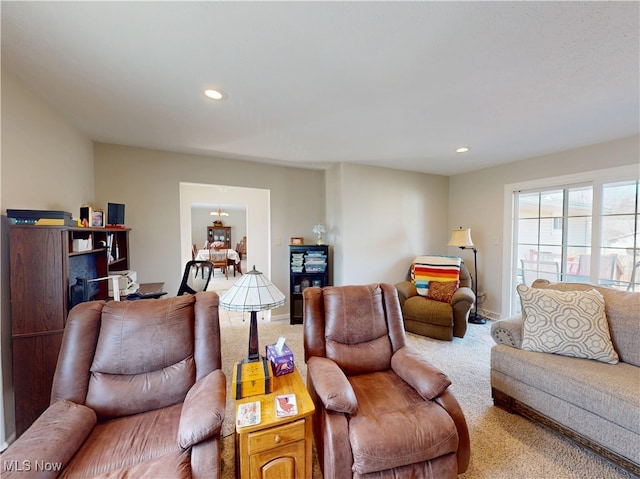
point(43, 268)
point(89, 251)
point(299, 280)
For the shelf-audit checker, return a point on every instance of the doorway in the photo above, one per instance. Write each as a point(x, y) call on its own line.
point(254, 201)
point(234, 223)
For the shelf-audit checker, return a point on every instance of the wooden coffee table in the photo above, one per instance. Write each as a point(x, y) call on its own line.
point(278, 447)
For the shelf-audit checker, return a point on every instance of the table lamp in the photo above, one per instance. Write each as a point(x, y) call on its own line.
point(253, 292)
point(462, 239)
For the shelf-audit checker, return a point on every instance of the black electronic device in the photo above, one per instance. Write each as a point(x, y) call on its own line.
point(38, 214)
point(115, 214)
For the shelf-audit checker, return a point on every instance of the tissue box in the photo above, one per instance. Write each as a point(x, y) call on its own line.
point(282, 363)
point(79, 245)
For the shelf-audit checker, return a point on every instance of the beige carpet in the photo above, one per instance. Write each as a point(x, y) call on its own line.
point(504, 446)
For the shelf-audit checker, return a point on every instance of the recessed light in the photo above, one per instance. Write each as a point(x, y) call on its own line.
point(214, 94)
point(463, 149)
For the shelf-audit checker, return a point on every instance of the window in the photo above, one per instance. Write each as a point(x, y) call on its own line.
point(619, 245)
point(586, 232)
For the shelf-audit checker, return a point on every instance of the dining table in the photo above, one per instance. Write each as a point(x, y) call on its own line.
point(233, 258)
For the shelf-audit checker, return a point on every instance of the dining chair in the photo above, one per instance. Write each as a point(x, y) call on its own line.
point(219, 260)
point(190, 283)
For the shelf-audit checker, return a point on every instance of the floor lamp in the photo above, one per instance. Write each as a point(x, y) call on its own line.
point(462, 239)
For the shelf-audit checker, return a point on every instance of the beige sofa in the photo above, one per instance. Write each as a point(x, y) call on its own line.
point(138, 392)
point(594, 403)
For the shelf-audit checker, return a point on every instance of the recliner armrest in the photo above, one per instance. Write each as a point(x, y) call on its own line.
point(52, 439)
point(203, 410)
point(406, 290)
point(415, 370)
point(463, 294)
point(508, 331)
point(331, 385)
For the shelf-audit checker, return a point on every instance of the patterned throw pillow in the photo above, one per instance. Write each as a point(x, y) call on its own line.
point(440, 291)
point(571, 323)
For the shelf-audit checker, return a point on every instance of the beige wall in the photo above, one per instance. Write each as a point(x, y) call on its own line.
point(147, 182)
point(476, 200)
point(46, 164)
point(390, 216)
point(382, 219)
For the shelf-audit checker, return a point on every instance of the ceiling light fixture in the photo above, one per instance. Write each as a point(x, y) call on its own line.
point(215, 94)
point(462, 149)
point(219, 212)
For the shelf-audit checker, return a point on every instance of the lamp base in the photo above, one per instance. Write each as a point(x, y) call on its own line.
point(475, 319)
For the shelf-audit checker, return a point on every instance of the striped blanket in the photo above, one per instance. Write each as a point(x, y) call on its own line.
point(434, 268)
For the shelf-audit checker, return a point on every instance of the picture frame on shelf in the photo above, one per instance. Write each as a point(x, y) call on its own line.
point(86, 215)
point(297, 240)
point(97, 218)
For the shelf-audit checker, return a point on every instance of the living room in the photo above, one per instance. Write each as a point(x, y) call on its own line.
point(378, 218)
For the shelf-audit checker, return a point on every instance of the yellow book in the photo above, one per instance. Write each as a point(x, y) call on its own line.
point(56, 222)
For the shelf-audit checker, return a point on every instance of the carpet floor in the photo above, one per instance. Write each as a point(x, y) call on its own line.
point(503, 445)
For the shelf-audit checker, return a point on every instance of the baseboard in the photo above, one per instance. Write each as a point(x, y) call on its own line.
point(8, 442)
point(489, 314)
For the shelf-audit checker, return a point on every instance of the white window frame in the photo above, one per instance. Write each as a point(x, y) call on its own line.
point(595, 177)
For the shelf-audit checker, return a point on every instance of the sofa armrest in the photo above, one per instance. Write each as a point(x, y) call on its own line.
point(331, 385)
point(415, 370)
point(406, 290)
point(508, 331)
point(203, 410)
point(52, 439)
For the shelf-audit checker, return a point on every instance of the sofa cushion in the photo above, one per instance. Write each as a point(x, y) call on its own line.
point(623, 313)
point(176, 465)
point(357, 345)
point(144, 356)
point(571, 323)
point(124, 442)
point(609, 391)
point(397, 437)
point(426, 310)
point(442, 291)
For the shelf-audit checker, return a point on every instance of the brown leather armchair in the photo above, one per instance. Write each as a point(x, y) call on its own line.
point(436, 319)
point(381, 408)
point(138, 392)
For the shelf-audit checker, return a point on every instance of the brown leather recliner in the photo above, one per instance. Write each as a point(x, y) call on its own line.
point(382, 410)
point(436, 319)
point(138, 392)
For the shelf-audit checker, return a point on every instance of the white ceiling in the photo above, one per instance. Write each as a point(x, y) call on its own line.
point(396, 84)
